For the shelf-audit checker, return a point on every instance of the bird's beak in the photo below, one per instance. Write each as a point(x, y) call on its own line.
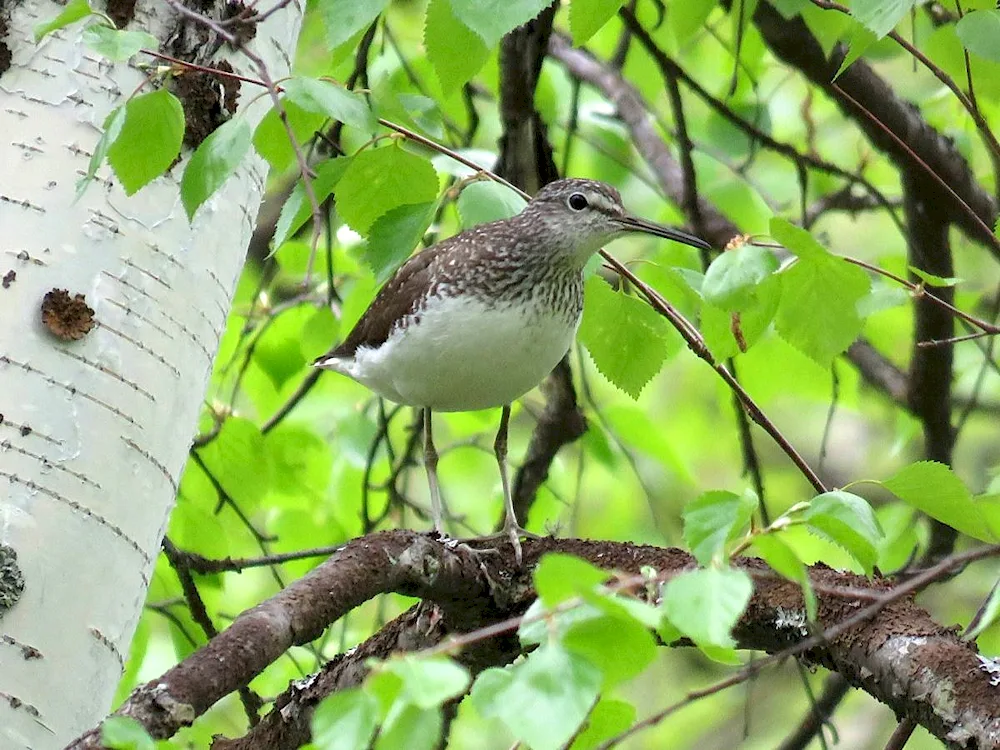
point(635, 224)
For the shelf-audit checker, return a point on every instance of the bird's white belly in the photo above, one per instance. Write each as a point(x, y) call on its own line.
point(463, 355)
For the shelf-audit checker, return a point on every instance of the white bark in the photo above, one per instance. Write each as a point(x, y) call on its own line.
point(95, 432)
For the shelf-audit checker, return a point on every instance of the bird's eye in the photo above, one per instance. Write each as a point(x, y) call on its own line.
point(578, 201)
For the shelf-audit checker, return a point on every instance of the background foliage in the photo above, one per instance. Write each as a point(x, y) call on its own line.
point(287, 461)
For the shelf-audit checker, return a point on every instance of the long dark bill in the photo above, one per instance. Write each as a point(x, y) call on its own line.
point(635, 224)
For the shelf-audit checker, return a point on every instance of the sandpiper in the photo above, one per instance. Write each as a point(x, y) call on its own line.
point(480, 319)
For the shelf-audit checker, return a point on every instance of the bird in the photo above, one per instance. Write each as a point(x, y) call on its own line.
point(479, 319)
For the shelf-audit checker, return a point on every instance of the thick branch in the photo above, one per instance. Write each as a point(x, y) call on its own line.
point(898, 655)
point(929, 393)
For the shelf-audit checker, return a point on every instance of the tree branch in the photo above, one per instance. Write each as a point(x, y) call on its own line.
point(891, 648)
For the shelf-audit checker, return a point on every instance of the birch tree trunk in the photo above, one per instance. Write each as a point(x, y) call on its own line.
point(95, 431)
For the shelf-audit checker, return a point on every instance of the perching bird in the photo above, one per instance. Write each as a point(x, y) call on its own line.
point(480, 319)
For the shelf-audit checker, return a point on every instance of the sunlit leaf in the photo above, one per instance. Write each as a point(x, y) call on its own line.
point(116, 44)
point(125, 733)
point(619, 647)
point(933, 488)
point(70, 14)
point(297, 209)
point(559, 577)
point(149, 140)
point(486, 201)
point(456, 52)
point(543, 700)
point(880, 16)
point(979, 32)
point(705, 604)
point(932, 280)
point(609, 717)
point(586, 17)
point(344, 720)
point(336, 102)
point(786, 563)
point(625, 337)
point(732, 280)
point(818, 311)
point(712, 519)
point(491, 19)
point(213, 162)
point(345, 18)
point(395, 235)
point(849, 521)
point(380, 179)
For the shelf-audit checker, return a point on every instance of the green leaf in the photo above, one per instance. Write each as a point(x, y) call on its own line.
point(112, 129)
point(789, 9)
point(491, 19)
point(381, 179)
point(623, 607)
point(732, 280)
point(720, 327)
point(849, 521)
point(485, 201)
point(454, 50)
point(990, 613)
point(929, 278)
point(610, 717)
point(688, 17)
point(297, 209)
point(271, 141)
point(301, 460)
point(625, 337)
point(345, 18)
point(543, 700)
point(933, 488)
point(586, 17)
point(117, 45)
point(559, 577)
point(213, 162)
point(73, 12)
point(336, 102)
point(861, 39)
point(705, 604)
point(818, 311)
point(149, 141)
point(787, 564)
point(125, 733)
point(408, 727)
point(979, 32)
point(880, 16)
point(619, 647)
point(797, 240)
point(344, 721)
point(394, 235)
point(238, 452)
point(428, 681)
point(712, 519)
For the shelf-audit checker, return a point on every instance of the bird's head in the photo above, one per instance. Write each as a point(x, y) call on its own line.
point(584, 215)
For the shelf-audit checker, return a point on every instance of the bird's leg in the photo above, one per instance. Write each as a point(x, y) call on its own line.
point(511, 529)
point(430, 465)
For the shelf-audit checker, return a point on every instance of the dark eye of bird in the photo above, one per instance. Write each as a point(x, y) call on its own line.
point(578, 201)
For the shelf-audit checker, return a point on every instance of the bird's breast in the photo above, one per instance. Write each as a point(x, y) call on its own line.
point(462, 353)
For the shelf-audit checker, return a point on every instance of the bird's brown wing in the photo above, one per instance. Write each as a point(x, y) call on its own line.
point(398, 298)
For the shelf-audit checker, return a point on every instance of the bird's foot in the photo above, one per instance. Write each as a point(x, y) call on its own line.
point(513, 533)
